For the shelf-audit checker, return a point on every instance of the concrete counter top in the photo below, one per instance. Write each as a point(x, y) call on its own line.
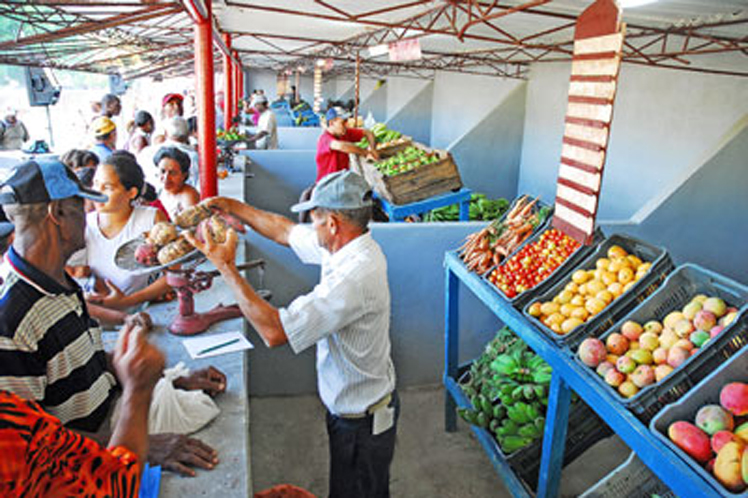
point(229, 432)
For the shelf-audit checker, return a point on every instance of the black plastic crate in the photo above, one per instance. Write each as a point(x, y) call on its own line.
point(632, 479)
point(540, 228)
point(705, 392)
point(662, 265)
point(685, 282)
point(559, 273)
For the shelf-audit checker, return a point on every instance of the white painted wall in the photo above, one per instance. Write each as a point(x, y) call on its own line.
point(400, 91)
point(461, 101)
point(267, 80)
point(666, 123)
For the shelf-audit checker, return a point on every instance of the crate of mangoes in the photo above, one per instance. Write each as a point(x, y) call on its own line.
point(608, 284)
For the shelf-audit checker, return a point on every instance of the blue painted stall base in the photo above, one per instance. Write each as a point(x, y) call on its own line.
point(397, 212)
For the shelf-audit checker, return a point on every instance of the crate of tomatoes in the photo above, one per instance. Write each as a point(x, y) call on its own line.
point(542, 261)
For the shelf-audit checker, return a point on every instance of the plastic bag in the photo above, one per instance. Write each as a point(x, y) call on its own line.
point(175, 410)
point(369, 121)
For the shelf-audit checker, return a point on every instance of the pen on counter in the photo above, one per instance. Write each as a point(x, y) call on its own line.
point(217, 346)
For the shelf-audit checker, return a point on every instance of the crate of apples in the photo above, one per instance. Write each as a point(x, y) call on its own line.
point(533, 263)
point(590, 291)
point(639, 355)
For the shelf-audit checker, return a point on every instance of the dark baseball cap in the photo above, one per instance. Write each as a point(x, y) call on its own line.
point(44, 181)
point(340, 190)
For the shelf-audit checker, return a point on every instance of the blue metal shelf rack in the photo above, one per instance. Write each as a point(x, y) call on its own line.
point(400, 212)
point(567, 376)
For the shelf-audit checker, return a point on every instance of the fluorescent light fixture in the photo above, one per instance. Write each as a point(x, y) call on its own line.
point(629, 4)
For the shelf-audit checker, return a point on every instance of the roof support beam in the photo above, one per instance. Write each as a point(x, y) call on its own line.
point(90, 27)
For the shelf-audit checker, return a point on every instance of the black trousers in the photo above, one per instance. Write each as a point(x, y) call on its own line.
point(359, 461)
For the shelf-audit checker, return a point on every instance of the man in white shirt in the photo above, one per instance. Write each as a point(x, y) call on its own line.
point(267, 126)
point(347, 316)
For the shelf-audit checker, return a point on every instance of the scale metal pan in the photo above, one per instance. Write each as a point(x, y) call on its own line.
point(125, 258)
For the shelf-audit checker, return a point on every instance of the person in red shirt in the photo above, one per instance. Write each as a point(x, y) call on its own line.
point(337, 141)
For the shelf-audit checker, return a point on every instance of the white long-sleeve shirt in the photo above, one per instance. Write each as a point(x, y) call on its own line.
point(347, 315)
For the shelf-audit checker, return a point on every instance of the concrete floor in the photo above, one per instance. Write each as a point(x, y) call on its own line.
point(289, 445)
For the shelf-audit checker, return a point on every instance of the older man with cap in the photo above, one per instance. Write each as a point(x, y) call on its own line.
point(13, 132)
point(105, 137)
point(347, 317)
point(50, 348)
point(337, 141)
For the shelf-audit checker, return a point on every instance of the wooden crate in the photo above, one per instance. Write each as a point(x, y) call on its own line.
point(417, 184)
point(391, 150)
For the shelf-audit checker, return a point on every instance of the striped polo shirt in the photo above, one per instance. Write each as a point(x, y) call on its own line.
point(50, 348)
point(347, 315)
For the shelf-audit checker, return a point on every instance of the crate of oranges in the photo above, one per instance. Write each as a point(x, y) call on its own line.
point(621, 273)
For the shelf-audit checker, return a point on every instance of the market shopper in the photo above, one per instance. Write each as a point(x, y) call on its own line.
point(105, 137)
point(41, 458)
point(13, 132)
point(267, 126)
point(177, 134)
point(111, 105)
point(174, 167)
point(52, 350)
point(172, 106)
point(347, 316)
point(114, 222)
point(141, 134)
point(337, 141)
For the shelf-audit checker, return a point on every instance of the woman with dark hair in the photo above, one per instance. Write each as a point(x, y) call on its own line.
point(174, 168)
point(114, 222)
point(76, 159)
point(141, 135)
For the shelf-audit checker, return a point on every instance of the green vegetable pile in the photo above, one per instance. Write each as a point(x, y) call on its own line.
point(508, 389)
point(231, 134)
point(382, 134)
point(481, 209)
point(406, 160)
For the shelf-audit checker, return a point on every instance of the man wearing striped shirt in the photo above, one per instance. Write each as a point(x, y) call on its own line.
point(50, 348)
point(347, 316)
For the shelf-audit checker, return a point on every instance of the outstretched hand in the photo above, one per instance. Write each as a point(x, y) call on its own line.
point(210, 380)
point(180, 453)
point(113, 297)
point(222, 204)
point(222, 255)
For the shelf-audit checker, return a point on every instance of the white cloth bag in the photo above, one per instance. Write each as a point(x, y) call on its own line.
point(176, 410)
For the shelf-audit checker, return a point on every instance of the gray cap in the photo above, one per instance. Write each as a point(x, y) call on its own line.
point(340, 190)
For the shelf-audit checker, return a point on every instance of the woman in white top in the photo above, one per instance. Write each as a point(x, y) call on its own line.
point(113, 223)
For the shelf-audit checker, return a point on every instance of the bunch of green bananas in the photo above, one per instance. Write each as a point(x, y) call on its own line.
point(382, 135)
point(508, 390)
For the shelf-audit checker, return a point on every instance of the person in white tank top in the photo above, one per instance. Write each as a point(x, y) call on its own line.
point(113, 223)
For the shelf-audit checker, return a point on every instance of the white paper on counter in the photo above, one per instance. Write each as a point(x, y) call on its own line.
point(195, 345)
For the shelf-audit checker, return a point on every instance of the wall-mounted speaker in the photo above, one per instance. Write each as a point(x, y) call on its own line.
point(41, 91)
